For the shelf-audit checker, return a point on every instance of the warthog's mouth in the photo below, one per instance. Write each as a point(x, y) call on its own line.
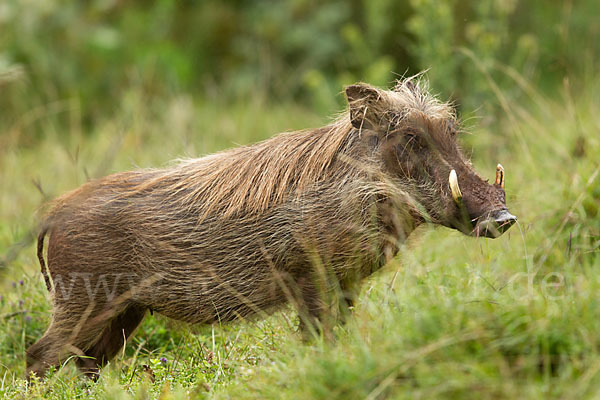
point(494, 224)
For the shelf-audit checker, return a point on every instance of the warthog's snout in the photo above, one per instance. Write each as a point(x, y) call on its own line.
point(487, 224)
point(494, 224)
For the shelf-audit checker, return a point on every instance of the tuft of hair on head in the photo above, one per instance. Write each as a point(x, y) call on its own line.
point(369, 105)
point(414, 93)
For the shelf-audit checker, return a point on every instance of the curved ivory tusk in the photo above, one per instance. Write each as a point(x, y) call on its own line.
point(500, 176)
point(456, 194)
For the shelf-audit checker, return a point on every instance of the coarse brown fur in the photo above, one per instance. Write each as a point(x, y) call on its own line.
point(243, 231)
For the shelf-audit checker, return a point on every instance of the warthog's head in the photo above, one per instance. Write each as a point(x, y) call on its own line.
point(415, 136)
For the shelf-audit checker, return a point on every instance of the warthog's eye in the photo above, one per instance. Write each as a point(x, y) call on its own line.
point(410, 144)
point(414, 140)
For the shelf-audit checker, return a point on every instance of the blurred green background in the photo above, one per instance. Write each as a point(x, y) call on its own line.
point(88, 88)
point(301, 50)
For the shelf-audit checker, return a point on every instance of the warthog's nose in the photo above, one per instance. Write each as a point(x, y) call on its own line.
point(504, 219)
point(495, 224)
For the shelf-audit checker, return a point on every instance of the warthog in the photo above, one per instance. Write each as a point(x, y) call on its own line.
point(238, 233)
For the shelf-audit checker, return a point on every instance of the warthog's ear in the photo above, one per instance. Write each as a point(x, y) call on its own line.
point(362, 100)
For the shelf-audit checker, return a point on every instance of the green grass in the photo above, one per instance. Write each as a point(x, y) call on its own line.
point(451, 317)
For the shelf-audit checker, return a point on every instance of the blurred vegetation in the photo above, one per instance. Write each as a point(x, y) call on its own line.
point(89, 88)
point(303, 50)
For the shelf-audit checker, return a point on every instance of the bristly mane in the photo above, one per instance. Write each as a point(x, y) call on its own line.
point(255, 177)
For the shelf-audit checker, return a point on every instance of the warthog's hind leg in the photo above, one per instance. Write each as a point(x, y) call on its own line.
point(112, 339)
point(45, 353)
point(94, 340)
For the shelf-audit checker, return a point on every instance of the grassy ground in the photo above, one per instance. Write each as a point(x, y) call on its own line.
point(451, 317)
